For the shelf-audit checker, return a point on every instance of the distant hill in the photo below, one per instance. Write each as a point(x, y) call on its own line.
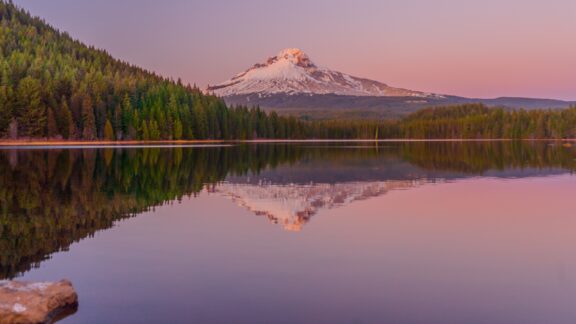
point(291, 83)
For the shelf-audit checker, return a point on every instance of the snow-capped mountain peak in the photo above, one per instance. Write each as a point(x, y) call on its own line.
point(289, 64)
point(291, 71)
point(295, 56)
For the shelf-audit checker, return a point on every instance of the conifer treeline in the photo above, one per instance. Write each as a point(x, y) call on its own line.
point(469, 121)
point(478, 121)
point(52, 86)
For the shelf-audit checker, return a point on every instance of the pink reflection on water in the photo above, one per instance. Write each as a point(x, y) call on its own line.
point(470, 251)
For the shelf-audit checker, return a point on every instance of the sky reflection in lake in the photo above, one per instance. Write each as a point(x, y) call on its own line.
point(403, 235)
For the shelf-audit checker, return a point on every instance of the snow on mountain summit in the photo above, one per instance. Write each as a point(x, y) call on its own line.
point(295, 56)
point(292, 72)
point(289, 64)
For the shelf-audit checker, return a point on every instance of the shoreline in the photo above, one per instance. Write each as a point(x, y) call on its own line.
point(60, 143)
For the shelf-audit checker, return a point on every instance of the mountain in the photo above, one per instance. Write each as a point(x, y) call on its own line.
point(292, 72)
point(290, 82)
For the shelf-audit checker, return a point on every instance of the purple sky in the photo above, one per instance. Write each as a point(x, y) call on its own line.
point(485, 48)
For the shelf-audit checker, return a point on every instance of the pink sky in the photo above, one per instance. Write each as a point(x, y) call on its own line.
point(484, 48)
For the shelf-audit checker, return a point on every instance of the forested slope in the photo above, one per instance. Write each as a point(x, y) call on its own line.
point(52, 86)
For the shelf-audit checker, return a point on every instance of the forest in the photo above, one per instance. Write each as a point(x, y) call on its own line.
point(55, 87)
point(52, 86)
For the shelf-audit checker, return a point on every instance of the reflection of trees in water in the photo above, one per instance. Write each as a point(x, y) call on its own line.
point(478, 157)
point(329, 177)
point(52, 198)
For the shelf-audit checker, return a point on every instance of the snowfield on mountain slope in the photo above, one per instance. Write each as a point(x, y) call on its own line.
point(292, 72)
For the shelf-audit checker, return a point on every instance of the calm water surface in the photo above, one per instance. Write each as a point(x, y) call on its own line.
point(298, 233)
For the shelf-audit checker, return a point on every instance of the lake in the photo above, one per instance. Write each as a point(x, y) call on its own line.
point(356, 232)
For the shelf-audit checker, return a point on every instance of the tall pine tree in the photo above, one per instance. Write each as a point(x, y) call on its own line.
point(88, 121)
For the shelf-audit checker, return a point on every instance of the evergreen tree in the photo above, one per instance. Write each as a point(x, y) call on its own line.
point(5, 112)
point(51, 126)
point(178, 130)
point(30, 112)
point(62, 119)
point(88, 122)
point(154, 130)
point(68, 127)
point(145, 132)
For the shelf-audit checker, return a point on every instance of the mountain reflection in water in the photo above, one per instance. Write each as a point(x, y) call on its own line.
point(292, 206)
point(52, 198)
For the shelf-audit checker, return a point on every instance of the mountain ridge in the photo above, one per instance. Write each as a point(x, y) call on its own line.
point(291, 83)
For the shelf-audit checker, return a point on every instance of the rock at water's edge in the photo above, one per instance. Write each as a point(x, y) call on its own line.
point(34, 302)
